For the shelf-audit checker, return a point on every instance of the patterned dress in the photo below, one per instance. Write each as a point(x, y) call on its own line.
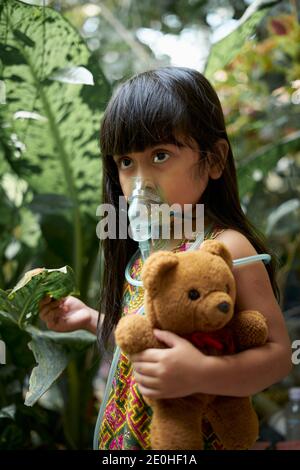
point(126, 420)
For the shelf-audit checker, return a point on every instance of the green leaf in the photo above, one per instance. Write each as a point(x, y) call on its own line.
point(52, 359)
point(9, 219)
point(6, 317)
point(24, 38)
point(59, 150)
point(52, 352)
point(54, 102)
point(8, 312)
point(287, 208)
point(34, 285)
point(53, 399)
point(8, 412)
point(264, 160)
point(224, 51)
point(76, 75)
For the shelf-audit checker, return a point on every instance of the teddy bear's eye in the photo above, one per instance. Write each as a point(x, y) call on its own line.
point(194, 294)
point(227, 288)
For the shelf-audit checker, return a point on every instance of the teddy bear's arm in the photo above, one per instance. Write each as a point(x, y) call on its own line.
point(134, 333)
point(250, 328)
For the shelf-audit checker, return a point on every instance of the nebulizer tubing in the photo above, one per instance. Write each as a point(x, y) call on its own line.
point(266, 258)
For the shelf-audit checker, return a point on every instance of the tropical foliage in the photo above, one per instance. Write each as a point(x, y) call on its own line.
point(53, 89)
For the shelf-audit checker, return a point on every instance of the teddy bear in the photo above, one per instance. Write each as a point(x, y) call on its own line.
point(192, 294)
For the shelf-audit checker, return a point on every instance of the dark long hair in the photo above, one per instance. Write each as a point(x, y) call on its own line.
point(148, 109)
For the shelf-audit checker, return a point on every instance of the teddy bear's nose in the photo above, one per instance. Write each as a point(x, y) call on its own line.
point(224, 307)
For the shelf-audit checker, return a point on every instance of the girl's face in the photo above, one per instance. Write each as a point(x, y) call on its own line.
point(174, 169)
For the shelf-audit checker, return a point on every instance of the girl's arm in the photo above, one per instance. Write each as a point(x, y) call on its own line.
point(255, 369)
point(183, 370)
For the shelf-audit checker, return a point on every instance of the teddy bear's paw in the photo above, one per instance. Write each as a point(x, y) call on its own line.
point(134, 334)
point(250, 328)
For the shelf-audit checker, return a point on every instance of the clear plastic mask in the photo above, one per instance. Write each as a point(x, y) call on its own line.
point(152, 222)
point(144, 195)
point(144, 217)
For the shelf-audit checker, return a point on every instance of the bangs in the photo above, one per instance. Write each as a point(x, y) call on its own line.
point(144, 112)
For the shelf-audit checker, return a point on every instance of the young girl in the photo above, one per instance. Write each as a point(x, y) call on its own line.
point(167, 125)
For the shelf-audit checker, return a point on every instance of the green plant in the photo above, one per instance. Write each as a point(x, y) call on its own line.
point(52, 94)
point(50, 182)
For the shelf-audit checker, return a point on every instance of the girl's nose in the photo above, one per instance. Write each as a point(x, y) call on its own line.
point(149, 184)
point(144, 181)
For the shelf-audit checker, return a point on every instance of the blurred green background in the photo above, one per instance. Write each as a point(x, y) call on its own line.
point(59, 63)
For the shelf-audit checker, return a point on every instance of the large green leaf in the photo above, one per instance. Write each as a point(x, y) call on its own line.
point(6, 317)
point(9, 218)
point(49, 124)
point(8, 311)
point(287, 212)
point(52, 351)
point(33, 286)
point(55, 121)
point(8, 412)
point(264, 160)
point(223, 51)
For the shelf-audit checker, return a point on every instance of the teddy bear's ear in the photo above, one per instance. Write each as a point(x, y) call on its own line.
point(154, 269)
point(217, 248)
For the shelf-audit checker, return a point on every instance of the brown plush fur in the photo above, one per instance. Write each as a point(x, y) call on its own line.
point(169, 279)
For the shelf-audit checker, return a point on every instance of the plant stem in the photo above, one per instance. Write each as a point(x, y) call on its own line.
point(73, 406)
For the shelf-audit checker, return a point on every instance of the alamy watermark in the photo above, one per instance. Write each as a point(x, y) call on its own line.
point(2, 352)
point(296, 353)
point(2, 92)
point(149, 221)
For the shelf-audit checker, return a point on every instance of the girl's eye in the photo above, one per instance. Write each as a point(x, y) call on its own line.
point(161, 157)
point(124, 162)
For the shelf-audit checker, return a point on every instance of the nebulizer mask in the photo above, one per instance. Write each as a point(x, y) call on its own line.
point(145, 220)
point(151, 226)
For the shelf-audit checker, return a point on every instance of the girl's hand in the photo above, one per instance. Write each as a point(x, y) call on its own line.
point(67, 314)
point(171, 372)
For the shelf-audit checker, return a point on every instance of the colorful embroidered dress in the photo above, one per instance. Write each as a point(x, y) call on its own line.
point(126, 419)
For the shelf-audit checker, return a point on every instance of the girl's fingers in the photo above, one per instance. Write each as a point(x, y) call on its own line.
point(54, 317)
point(148, 355)
point(149, 392)
point(45, 300)
point(145, 381)
point(146, 368)
point(44, 312)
